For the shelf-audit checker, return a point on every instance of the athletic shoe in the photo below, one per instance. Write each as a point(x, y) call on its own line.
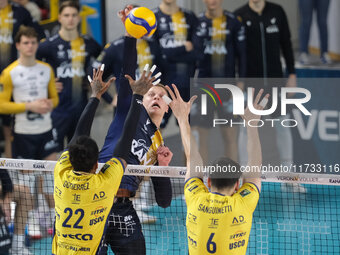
point(145, 218)
point(304, 59)
point(326, 59)
point(20, 251)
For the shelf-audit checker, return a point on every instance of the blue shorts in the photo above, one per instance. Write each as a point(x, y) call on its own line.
point(124, 230)
point(37, 146)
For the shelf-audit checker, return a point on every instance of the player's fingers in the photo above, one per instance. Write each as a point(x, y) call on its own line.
point(192, 100)
point(178, 95)
point(112, 80)
point(156, 82)
point(89, 78)
point(166, 99)
point(258, 97)
point(170, 92)
point(145, 71)
point(129, 78)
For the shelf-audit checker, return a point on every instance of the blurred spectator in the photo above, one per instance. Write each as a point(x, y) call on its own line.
point(175, 31)
point(69, 54)
point(31, 84)
point(12, 16)
point(220, 40)
point(306, 8)
point(32, 7)
point(268, 34)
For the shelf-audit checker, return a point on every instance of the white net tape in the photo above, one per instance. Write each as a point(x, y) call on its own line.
point(176, 172)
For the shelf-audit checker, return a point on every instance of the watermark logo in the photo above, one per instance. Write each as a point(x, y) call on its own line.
point(239, 99)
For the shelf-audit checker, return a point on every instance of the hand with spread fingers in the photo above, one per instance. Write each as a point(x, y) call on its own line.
point(248, 115)
point(179, 108)
point(96, 82)
point(145, 82)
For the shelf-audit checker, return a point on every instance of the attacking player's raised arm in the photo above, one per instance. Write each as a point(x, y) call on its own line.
point(253, 142)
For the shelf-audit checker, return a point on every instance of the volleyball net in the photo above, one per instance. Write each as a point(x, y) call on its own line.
point(298, 213)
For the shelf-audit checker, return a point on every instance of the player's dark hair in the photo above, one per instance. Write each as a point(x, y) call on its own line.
point(73, 4)
point(83, 154)
point(226, 173)
point(25, 31)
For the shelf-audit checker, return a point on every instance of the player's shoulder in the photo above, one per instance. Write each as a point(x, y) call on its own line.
point(17, 8)
point(118, 42)
point(188, 13)
point(51, 40)
point(242, 10)
point(232, 17)
point(10, 67)
point(157, 11)
point(44, 65)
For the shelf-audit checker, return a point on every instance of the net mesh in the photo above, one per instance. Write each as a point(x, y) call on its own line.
point(291, 218)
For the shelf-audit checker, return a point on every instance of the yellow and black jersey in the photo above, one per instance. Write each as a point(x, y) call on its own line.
point(218, 224)
point(12, 16)
point(82, 203)
point(25, 84)
point(221, 42)
point(70, 60)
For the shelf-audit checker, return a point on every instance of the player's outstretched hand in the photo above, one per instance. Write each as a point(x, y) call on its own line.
point(179, 108)
point(145, 82)
point(122, 14)
point(164, 156)
point(96, 82)
point(248, 115)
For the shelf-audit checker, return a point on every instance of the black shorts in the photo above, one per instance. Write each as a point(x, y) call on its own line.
point(6, 120)
point(124, 230)
point(37, 146)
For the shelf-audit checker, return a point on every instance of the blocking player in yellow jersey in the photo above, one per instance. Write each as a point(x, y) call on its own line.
point(83, 199)
point(219, 221)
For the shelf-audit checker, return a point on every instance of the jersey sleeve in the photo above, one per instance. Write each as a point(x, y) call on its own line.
point(43, 51)
point(6, 106)
point(63, 162)
point(249, 194)
point(192, 188)
point(52, 90)
point(113, 170)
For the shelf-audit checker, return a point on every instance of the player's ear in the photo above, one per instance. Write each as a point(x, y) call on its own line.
point(94, 169)
point(209, 183)
point(237, 185)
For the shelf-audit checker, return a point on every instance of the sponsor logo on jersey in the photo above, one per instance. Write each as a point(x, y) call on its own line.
point(272, 29)
point(99, 210)
point(99, 196)
point(244, 193)
point(238, 220)
point(192, 241)
point(213, 223)
point(238, 235)
point(192, 218)
point(80, 237)
point(236, 245)
point(96, 220)
point(66, 70)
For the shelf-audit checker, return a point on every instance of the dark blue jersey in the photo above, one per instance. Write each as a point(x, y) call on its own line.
point(70, 60)
point(171, 34)
point(11, 18)
point(221, 43)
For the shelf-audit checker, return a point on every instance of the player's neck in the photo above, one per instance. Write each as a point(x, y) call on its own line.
point(27, 61)
point(68, 35)
point(169, 9)
point(257, 7)
point(212, 14)
point(156, 119)
point(225, 192)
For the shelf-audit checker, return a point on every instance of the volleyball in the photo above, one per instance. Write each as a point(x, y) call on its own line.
point(141, 22)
